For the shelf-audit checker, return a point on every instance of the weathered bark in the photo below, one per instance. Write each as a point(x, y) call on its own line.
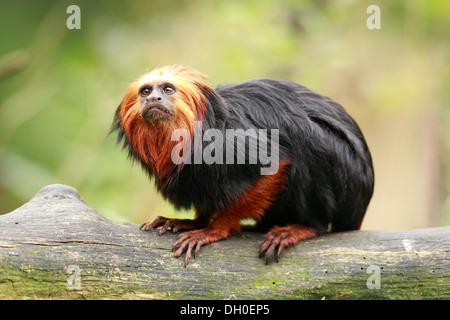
point(49, 241)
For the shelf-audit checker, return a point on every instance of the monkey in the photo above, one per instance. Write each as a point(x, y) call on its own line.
point(323, 179)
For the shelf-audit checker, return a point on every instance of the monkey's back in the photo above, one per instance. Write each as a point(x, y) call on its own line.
point(331, 174)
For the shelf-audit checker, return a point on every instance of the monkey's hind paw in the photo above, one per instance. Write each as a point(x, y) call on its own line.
point(279, 238)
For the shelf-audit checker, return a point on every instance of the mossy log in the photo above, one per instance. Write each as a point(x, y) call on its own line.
point(57, 247)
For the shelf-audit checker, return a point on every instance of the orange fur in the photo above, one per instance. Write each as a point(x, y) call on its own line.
point(253, 202)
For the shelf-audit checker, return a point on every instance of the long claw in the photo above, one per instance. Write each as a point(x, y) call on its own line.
point(281, 248)
point(188, 256)
point(181, 248)
point(164, 228)
point(269, 254)
point(264, 246)
point(186, 261)
point(197, 249)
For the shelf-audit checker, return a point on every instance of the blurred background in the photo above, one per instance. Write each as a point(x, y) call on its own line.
point(59, 89)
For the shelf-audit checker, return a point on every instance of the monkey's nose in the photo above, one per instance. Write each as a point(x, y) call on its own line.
point(153, 98)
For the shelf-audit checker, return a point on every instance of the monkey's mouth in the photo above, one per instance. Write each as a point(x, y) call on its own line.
point(156, 112)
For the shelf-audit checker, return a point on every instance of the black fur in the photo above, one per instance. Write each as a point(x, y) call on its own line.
point(331, 176)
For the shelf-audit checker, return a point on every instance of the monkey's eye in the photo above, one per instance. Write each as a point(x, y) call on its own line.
point(145, 91)
point(168, 90)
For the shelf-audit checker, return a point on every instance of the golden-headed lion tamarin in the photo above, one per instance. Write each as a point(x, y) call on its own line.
point(184, 133)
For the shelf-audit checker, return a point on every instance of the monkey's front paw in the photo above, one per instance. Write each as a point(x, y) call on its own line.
point(175, 224)
point(158, 222)
point(191, 242)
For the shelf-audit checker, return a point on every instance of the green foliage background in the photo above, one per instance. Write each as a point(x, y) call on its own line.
point(59, 89)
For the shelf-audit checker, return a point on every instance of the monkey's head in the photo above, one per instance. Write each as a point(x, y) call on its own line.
point(172, 97)
point(154, 105)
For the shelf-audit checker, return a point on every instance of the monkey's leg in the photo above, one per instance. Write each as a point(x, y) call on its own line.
point(176, 225)
point(279, 238)
point(251, 204)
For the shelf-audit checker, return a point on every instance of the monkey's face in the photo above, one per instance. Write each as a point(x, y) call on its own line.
point(167, 98)
point(157, 101)
point(154, 106)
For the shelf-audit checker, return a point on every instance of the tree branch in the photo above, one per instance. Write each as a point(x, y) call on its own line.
point(56, 246)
